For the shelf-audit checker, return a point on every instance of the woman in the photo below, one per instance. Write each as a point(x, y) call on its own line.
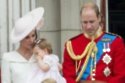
point(17, 64)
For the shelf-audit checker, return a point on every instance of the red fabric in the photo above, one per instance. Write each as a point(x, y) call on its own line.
point(116, 66)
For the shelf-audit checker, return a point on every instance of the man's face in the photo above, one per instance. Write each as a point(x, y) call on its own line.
point(90, 22)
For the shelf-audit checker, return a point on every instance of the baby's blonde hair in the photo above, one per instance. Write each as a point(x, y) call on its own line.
point(49, 80)
point(44, 44)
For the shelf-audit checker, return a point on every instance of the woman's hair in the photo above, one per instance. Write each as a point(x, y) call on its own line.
point(49, 80)
point(44, 44)
point(36, 34)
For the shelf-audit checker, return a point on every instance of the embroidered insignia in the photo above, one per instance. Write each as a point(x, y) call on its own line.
point(106, 39)
point(106, 59)
point(107, 72)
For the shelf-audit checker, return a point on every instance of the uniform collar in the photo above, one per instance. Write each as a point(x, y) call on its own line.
point(96, 36)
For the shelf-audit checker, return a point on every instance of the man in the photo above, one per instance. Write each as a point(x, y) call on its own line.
point(94, 55)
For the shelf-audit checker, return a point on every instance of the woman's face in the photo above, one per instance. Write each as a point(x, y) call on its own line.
point(28, 41)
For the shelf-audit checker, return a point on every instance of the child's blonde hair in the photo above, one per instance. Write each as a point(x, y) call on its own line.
point(49, 80)
point(44, 44)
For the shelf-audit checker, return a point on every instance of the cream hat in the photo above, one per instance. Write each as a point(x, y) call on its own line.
point(26, 24)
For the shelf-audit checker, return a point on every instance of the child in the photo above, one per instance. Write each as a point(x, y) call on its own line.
point(48, 64)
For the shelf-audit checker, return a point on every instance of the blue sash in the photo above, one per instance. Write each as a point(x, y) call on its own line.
point(99, 54)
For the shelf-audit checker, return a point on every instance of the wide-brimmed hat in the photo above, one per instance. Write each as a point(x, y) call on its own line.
point(26, 24)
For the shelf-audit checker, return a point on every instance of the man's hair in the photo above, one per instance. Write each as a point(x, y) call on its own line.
point(49, 80)
point(43, 44)
point(91, 5)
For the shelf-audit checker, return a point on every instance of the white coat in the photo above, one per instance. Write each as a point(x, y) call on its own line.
point(15, 68)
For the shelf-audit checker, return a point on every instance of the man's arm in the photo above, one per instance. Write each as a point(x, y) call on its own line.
point(69, 68)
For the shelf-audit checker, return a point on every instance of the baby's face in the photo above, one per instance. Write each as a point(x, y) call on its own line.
point(38, 52)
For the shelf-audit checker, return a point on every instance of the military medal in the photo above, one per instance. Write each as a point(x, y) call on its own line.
point(108, 47)
point(104, 47)
point(106, 44)
point(107, 71)
point(106, 59)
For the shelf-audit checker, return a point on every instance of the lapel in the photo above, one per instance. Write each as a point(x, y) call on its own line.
point(14, 56)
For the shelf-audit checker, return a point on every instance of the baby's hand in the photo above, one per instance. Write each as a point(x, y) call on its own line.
point(38, 57)
point(60, 67)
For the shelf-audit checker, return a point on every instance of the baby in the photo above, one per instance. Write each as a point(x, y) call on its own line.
point(48, 63)
point(44, 56)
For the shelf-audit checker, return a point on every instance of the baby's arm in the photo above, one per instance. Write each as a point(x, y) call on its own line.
point(43, 66)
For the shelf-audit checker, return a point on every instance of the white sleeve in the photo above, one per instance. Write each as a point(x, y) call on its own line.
point(48, 60)
point(51, 60)
point(56, 58)
point(5, 70)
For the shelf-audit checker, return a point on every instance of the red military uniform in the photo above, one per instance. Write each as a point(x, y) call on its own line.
point(110, 64)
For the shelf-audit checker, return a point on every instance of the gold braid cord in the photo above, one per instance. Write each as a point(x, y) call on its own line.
point(91, 47)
